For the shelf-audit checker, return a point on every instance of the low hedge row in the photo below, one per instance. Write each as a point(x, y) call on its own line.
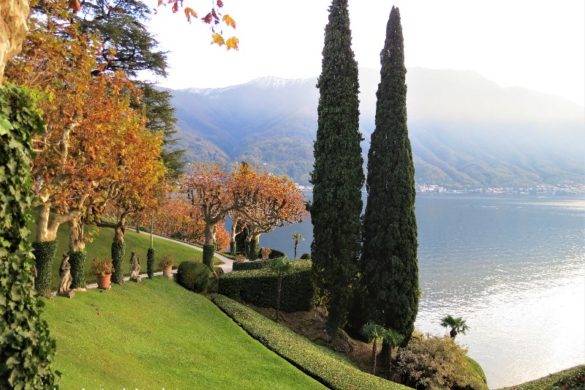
point(259, 287)
point(329, 368)
point(256, 264)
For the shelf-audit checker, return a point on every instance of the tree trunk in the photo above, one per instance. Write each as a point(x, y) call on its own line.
point(117, 251)
point(76, 235)
point(374, 356)
point(77, 252)
point(453, 333)
point(234, 233)
point(47, 228)
point(152, 232)
point(296, 245)
point(209, 233)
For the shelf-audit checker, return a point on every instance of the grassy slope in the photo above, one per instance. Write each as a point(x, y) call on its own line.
point(155, 334)
point(573, 378)
point(100, 247)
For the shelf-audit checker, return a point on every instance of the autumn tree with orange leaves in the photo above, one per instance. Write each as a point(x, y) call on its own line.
point(94, 146)
point(208, 187)
point(264, 202)
point(57, 61)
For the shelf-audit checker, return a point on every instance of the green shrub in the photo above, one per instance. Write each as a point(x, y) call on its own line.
point(259, 287)
point(150, 262)
point(306, 256)
point(193, 276)
point(430, 362)
point(118, 249)
point(326, 366)
point(77, 261)
point(256, 264)
point(44, 253)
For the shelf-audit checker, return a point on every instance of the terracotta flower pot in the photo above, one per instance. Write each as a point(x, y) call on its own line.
point(168, 271)
point(103, 282)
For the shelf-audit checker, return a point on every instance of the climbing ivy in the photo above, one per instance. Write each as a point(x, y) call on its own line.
point(26, 348)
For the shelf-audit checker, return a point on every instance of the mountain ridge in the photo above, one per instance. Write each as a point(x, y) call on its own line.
point(466, 131)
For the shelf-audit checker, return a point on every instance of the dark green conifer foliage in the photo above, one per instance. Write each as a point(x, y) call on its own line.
point(389, 257)
point(337, 175)
point(44, 253)
point(77, 261)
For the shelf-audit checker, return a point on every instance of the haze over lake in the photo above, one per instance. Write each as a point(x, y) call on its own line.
point(512, 266)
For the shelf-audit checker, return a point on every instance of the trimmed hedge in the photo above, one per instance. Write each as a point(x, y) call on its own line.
point(150, 262)
point(193, 276)
point(118, 249)
point(256, 264)
point(208, 252)
point(44, 253)
point(326, 366)
point(259, 287)
point(77, 261)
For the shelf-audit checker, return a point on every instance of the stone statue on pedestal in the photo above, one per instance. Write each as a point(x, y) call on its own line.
point(134, 268)
point(66, 279)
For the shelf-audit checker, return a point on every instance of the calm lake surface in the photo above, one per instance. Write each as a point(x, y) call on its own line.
point(512, 267)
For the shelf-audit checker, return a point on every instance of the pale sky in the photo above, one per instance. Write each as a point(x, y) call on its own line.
point(535, 44)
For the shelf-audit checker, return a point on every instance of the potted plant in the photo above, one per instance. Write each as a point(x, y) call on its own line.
point(166, 264)
point(103, 268)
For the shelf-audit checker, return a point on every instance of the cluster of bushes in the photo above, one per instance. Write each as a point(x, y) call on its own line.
point(256, 264)
point(326, 366)
point(259, 287)
point(193, 276)
point(198, 277)
point(431, 362)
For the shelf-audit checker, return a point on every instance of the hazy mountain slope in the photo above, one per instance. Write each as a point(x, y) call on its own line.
point(465, 130)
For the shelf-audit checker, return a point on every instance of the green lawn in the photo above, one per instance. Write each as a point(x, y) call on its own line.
point(99, 245)
point(156, 334)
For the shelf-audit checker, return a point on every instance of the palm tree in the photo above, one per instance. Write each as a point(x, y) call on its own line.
point(373, 332)
point(296, 236)
point(457, 325)
point(393, 339)
point(280, 266)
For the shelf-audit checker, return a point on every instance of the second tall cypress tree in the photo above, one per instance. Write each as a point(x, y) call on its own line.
point(389, 257)
point(337, 175)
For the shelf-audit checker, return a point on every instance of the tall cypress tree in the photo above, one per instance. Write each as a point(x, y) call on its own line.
point(389, 257)
point(337, 175)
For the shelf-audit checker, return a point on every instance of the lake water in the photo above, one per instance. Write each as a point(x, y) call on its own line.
point(512, 267)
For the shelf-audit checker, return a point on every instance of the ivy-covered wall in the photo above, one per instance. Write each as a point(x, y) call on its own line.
point(26, 349)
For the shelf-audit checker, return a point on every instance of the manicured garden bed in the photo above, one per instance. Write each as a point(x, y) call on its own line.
point(100, 247)
point(156, 334)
